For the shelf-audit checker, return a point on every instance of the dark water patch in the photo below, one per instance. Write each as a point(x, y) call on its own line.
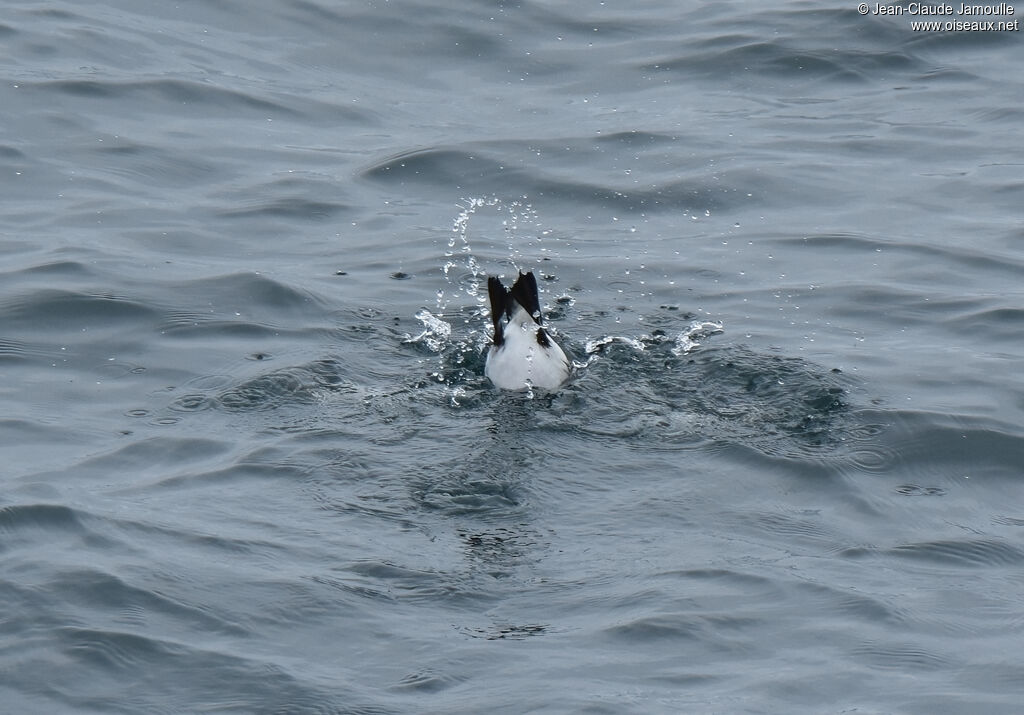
point(126, 672)
point(185, 320)
point(108, 593)
point(1005, 324)
point(858, 552)
point(639, 139)
point(730, 189)
point(768, 379)
point(355, 587)
point(967, 552)
point(791, 527)
point(916, 490)
point(268, 392)
point(920, 454)
point(441, 165)
point(428, 680)
point(743, 56)
point(940, 75)
point(469, 494)
point(312, 14)
point(71, 311)
point(741, 581)
point(361, 483)
point(240, 329)
point(902, 657)
point(605, 29)
point(299, 385)
point(725, 589)
point(151, 165)
point(116, 651)
point(13, 350)
point(36, 528)
point(209, 97)
point(850, 603)
point(38, 434)
point(714, 630)
point(265, 550)
point(852, 241)
point(1009, 115)
point(779, 404)
point(288, 209)
point(53, 12)
point(9, 152)
point(192, 403)
point(27, 522)
point(485, 478)
point(869, 457)
point(63, 269)
point(246, 305)
point(39, 610)
point(924, 253)
point(951, 445)
point(168, 96)
point(138, 462)
point(165, 421)
point(993, 676)
point(450, 589)
point(499, 544)
point(454, 42)
point(904, 306)
point(253, 291)
point(508, 631)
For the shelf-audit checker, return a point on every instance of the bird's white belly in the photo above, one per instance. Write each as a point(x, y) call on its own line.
point(521, 362)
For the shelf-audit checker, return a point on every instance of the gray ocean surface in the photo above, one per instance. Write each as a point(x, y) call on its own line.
point(250, 462)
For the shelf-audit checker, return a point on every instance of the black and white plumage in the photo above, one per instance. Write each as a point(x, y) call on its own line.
point(523, 355)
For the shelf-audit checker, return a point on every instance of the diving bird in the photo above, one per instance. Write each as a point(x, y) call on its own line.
point(522, 355)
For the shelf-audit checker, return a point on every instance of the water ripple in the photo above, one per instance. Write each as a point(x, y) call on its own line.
point(967, 552)
point(901, 657)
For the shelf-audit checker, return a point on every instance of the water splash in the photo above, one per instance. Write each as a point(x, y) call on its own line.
point(461, 268)
point(436, 332)
point(457, 329)
point(599, 344)
point(692, 336)
point(684, 342)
